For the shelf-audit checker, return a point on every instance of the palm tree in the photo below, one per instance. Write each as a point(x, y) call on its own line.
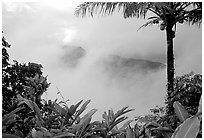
point(166, 14)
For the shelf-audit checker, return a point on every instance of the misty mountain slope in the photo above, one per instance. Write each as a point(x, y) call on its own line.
point(118, 66)
point(72, 55)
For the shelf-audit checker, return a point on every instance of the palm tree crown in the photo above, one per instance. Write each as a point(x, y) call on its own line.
point(190, 12)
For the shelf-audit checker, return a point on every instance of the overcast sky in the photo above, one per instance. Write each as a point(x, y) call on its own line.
point(46, 33)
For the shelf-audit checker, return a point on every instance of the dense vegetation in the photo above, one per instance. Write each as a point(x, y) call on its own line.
point(25, 114)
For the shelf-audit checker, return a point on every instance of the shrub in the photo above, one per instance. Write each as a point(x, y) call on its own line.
point(20, 80)
point(188, 90)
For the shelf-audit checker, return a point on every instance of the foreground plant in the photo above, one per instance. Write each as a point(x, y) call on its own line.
point(188, 91)
point(108, 127)
point(63, 121)
point(191, 126)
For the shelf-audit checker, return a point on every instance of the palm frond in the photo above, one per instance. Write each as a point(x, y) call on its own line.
point(129, 9)
point(190, 13)
point(154, 20)
point(194, 16)
point(96, 8)
point(135, 9)
point(146, 24)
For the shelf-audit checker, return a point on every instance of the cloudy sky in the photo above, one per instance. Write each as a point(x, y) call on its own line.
point(104, 59)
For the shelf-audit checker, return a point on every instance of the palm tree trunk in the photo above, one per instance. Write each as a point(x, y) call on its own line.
point(170, 61)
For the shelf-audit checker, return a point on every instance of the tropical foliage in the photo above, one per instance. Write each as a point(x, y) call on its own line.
point(188, 91)
point(26, 115)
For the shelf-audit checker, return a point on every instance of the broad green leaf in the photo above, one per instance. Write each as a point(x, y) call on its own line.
point(33, 107)
point(47, 122)
point(42, 79)
point(76, 106)
point(53, 109)
point(9, 136)
point(64, 135)
point(83, 107)
point(84, 126)
point(58, 107)
point(117, 122)
point(126, 111)
point(163, 129)
point(68, 116)
point(147, 133)
point(36, 78)
point(10, 115)
point(18, 133)
point(129, 133)
point(87, 135)
point(166, 132)
point(71, 109)
point(40, 134)
point(137, 130)
point(34, 133)
point(120, 112)
point(85, 119)
point(115, 130)
point(62, 102)
point(111, 114)
point(181, 112)
point(38, 114)
point(125, 125)
point(74, 128)
point(91, 125)
point(28, 103)
point(55, 131)
point(43, 129)
point(10, 119)
point(99, 128)
point(188, 129)
point(151, 125)
point(96, 136)
point(200, 106)
point(24, 100)
point(87, 116)
point(105, 116)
